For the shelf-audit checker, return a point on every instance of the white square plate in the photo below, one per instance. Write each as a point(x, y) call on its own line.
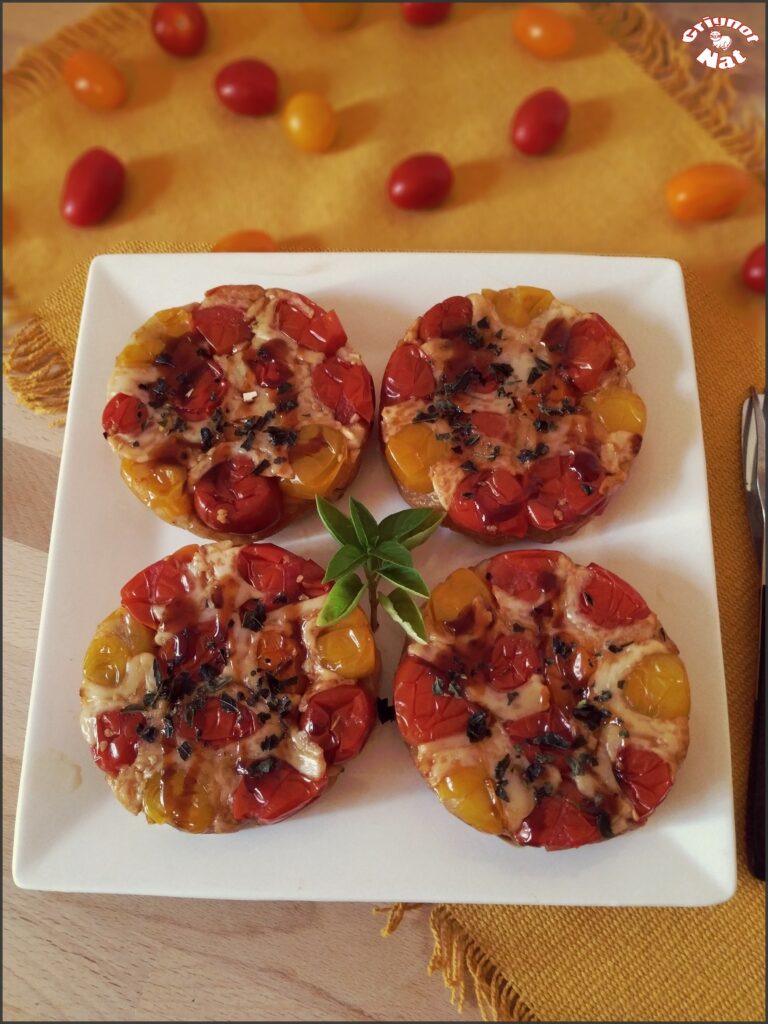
point(380, 834)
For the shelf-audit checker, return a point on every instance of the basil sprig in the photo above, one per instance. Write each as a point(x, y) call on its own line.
point(382, 552)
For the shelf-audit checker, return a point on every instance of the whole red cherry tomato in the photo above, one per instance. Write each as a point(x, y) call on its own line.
point(277, 573)
point(124, 414)
point(753, 269)
point(539, 122)
point(276, 794)
point(180, 28)
point(248, 87)
point(92, 188)
point(423, 714)
point(223, 327)
point(230, 499)
point(609, 601)
point(117, 739)
point(94, 80)
point(425, 13)
point(408, 375)
point(420, 182)
point(340, 721)
point(346, 388)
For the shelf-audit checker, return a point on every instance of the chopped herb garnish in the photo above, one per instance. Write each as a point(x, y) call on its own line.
point(559, 646)
point(477, 726)
point(494, 453)
point(167, 727)
point(270, 742)
point(512, 696)
point(500, 790)
point(534, 375)
point(541, 791)
point(501, 766)
point(260, 467)
point(579, 764)
point(542, 364)
point(484, 323)
point(605, 695)
point(255, 617)
point(280, 436)
point(542, 426)
point(263, 767)
point(624, 733)
point(469, 466)
point(551, 739)
point(517, 628)
point(442, 437)
point(603, 820)
point(621, 683)
point(533, 771)
point(501, 370)
point(206, 438)
point(590, 715)
point(185, 750)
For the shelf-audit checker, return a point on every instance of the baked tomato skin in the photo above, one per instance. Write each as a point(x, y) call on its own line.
point(320, 330)
point(117, 739)
point(270, 369)
point(589, 352)
point(223, 327)
point(193, 646)
point(491, 498)
point(559, 822)
point(272, 796)
point(194, 385)
point(230, 499)
point(514, 659)
point(124, 414)
point(423, 715)
point(408, 375)
point(644, 777)
point(528, 575)
point(339, 720)
point(609, 601)
point(159, 594)
point(446, 319)
point(345, 388)
point(549, 728)
point(565, 488)
point(280, 576)
point(217, 724)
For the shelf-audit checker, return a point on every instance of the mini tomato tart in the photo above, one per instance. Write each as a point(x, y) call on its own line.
point(548, 706)
point(512, 412)
point(211, 698)
point(232, 414)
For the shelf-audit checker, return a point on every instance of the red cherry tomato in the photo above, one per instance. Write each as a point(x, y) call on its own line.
point(124, 414)
point(92, 188)
point(218, 725)
point(270, 369)
point(195, 385)
point(248, 87)
point(230, 499)
point(609, 601)
point(346, 388)
point(589, 352)
point(275, 795)
point(159, 594)
point(318, 330)
point(425, 13)
point(422, 714)
point(446, 319)
point(560, 822)
point(753, 270)
point(491, 424)
point(224, 327)
point(339, 720)
point(492, 497)
point(514, 659)
point(276, 573)
point(539, 122)
point(420, 182)
point(180, 28)
point(644, 778)
point(564, 488)
point(528, 575)
point(117, 739)
point(408, 375)
point(538, 725)
point(194, 645)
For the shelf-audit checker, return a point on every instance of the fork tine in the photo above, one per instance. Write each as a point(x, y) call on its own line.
point(759, 471)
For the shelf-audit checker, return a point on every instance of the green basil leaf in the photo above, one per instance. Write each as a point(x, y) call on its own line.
point(410, 527)
point(392, 553)
point(346, 559)
point(366, 527)
point(408, 579)
point(335, 522)
point(413, 540)
point(401, 607)
point(343, 597)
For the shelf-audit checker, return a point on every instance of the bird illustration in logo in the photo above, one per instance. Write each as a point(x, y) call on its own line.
point(720, 42)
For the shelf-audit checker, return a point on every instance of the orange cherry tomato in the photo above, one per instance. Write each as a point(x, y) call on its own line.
point(309, 122)
point(706, 191)
point(544, 32)
point(180, 28)
point(753, 270)
point(94, 80)
point(245, 241)
point(332, 17)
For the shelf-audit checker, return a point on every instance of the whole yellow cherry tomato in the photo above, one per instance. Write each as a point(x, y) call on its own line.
point(118, 638)
point(331, 16)
point(706, 191)
point(468, 793)
point(160, 485)
point(309, 122)
point(245, 241)
point(172, 798)
point(347, 647)
point(94, 80)
point(412, 453)
point(617, 409)
point(544, 32)
point(658, 687)
point(455, 594)
point(316, 459)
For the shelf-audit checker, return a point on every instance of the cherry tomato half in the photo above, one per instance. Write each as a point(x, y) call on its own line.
point(563, 489)
point(272, 796)
point(345, 388)
point(245, 241)
point(195, 645)
point(446, 319)
point(589, 353)
point(539, 122)
point(514, 659)
point(644, 778)
point(339, 720)
point(408, 375)
point(544, 32)
point(706, 191)
point(159, 594)
point(223, 327)
point(753, 269)
point(195, 385)
point(93, 187)
point(270, 369)
point(117, 739)
point(309, 122)
point(560, 822)
point(180, 28)
point(539, 725)
point(609, 601)
point(124, 414)
point(94, 80)
point(491, 498)
point(528, 575)
point(331, 16)
point(217, 725)
point(248, 87)
point(317, 330)
point(420, 182)
point(425, 14)
point(277, 573)
point(423, 715)
point(230, 499)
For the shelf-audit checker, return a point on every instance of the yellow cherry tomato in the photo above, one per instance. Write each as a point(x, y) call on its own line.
point(245, 241)
point(706, 191)
point(544, 32)
point(174, 797)
point(316, 459)
point(456, 594)
point(617, 409)
point(412, 453)
point(160, 485)
point(331, 16)
point(277, 654)
point(94, 80)
point(468, 793)
point(117, 639)
point(141, 352)
point(519, 305)
point(309, 122)
point(347, 647)
point(658, 687)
